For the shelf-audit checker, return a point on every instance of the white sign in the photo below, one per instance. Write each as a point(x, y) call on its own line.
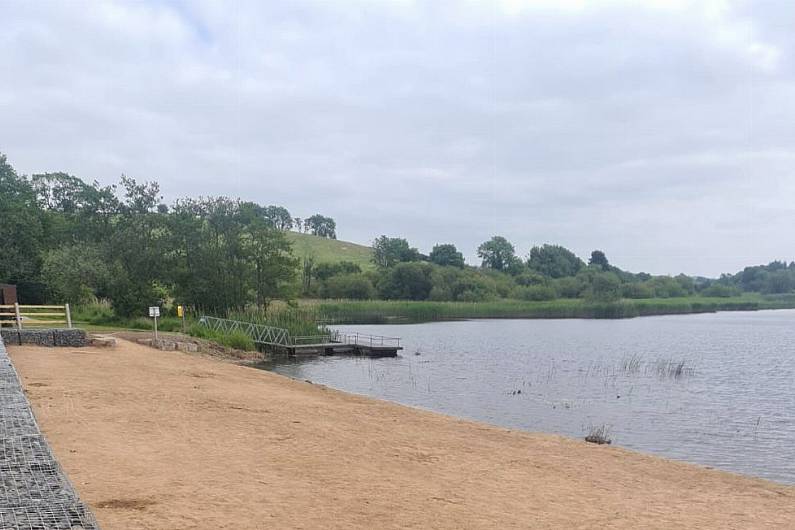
point(154, 311)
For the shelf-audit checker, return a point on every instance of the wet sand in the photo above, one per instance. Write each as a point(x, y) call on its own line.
point(166, 440)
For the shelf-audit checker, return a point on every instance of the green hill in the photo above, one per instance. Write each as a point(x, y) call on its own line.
point(330, 250)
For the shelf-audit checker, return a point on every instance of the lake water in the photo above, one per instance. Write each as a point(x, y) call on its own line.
point(713, 389)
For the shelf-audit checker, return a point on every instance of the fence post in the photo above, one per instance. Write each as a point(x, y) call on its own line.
point(19, 317)
point(68, 316)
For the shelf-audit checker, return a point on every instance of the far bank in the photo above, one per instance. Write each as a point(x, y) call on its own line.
point(386, 311)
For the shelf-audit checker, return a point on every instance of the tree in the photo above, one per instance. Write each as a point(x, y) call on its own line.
point(446, 255)
point(274, 266)
point(351, 286)
point(322, 226)
point(21, 228)
point(605, 287)
point(279, 217)
point(388, 251)
point(497, 253)
point(599, 259)
point(76, 273)
point(554, 261)
point(407, 281)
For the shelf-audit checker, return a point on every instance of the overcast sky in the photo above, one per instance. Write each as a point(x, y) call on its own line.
point(659, 131)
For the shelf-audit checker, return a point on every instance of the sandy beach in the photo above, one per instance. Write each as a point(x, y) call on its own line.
point(166, 440)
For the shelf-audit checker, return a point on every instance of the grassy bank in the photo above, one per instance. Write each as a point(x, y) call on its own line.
point(379, 311)
point(298, 321)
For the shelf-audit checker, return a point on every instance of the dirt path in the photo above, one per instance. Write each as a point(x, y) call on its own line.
point(164, 440)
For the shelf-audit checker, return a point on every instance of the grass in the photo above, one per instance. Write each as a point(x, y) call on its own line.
point(299, 321)
point(237, 339)
point(100, 317)
point(382, 312)
point(325, 250)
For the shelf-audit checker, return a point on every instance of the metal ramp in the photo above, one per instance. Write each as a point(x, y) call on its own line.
point(334, 342)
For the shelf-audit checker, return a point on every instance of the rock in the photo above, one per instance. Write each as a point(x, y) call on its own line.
point(187, 347)
point(102, 342)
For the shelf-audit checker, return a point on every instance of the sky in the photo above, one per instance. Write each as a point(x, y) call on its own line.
point(661, 131)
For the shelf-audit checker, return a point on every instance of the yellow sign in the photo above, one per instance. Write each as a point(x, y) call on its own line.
point(179, 311)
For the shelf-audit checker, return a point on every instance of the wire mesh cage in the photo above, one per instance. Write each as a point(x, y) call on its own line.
point(50, 516)
point(35, 493)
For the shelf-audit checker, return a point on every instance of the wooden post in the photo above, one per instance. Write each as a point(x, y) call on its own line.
point(68, 316)
point(19, 317)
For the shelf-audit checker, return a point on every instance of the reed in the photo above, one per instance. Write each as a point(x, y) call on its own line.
point(297, 320)
point(384, 312)
point(599, 434)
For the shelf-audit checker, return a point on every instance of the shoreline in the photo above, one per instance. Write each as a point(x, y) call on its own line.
point(349, 312)
point(168, 440)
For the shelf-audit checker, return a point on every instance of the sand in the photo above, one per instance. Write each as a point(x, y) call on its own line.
point(166, 440)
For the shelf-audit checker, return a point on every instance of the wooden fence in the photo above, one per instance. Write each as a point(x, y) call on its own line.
point(29, 316)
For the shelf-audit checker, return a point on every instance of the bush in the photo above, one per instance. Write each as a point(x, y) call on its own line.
point(238, 340)
point(569, 287)
point(605, 287)
point(95, 313)
point(535, 293)
point(407, 281)
point(636, 291)
point(717, 290)
point(350, 286)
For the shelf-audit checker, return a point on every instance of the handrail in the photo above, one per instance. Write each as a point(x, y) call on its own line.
point(274, 336)
point(365, 339)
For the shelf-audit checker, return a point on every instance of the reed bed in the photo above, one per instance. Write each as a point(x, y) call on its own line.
point(299, 321)
point(384, 312)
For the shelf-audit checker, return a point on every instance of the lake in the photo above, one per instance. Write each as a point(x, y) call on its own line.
point(714, 389)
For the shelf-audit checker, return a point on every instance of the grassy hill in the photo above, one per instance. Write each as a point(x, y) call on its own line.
point(330, 250)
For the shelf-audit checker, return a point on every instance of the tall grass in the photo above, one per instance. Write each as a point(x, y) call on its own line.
point(297, 320)
point(101, 313)
point(236, 339)
point(383, 312)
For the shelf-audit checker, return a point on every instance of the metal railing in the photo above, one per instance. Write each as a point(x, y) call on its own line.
point(20, 316)
point(258, 333)
point(273, 336)
point(364, 339)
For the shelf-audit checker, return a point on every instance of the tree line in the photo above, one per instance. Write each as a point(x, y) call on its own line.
point(548, 272)
point(64, 239)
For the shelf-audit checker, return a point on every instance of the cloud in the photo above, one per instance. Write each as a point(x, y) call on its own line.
point(660, 132)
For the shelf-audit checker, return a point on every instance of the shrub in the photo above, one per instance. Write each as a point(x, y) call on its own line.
point(717, 290)
point(569, 287)
point(350, 286)
point(407, 281)
point(605, 287)
point(536, 293)
point(636, 291)
point(99, 312)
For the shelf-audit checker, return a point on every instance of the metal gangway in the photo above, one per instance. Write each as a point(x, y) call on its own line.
point(280, 339)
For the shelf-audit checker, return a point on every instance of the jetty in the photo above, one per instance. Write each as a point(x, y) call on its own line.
point(279, 340)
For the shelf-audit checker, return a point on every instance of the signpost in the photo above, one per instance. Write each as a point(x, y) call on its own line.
point(154, 312)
